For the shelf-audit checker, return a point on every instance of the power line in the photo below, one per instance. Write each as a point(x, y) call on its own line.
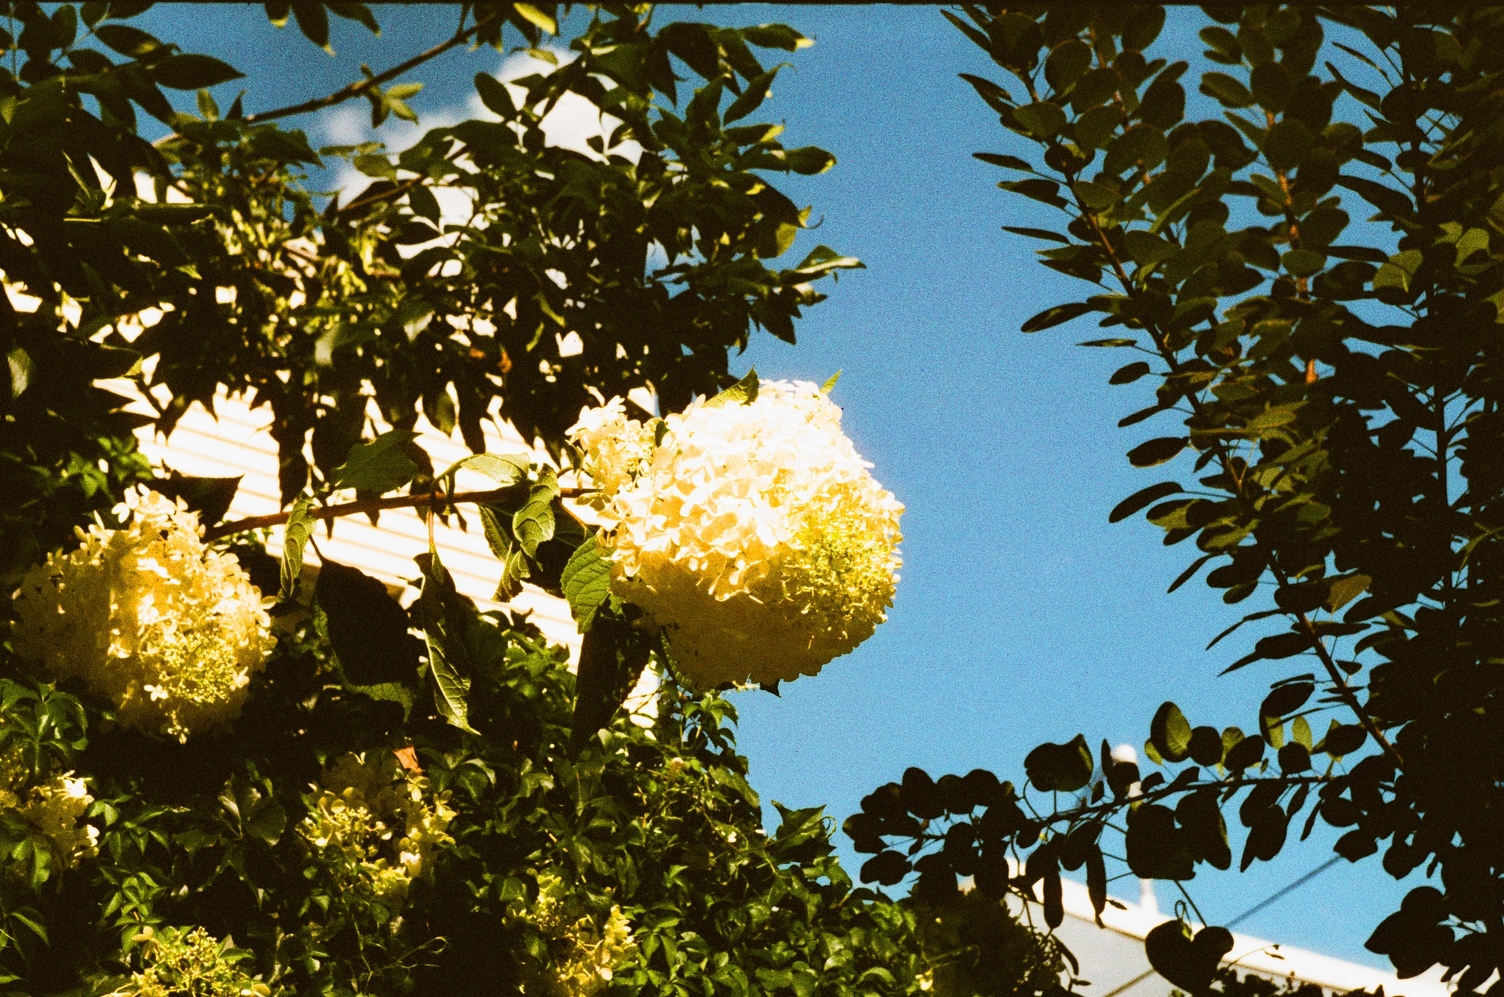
point(1323, 867)
point(1271, 898)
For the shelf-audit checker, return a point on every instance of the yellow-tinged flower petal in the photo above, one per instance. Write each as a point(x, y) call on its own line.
point(754, 534)
point(148, 617)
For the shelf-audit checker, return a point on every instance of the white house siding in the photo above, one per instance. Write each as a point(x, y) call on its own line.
point(235, 440)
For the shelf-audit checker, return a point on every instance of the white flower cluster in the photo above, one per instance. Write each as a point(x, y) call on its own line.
point(54, 809)
point(148, 617)
point(378, 826)
point(178, 962)
point(753, 533)
point(583, 954)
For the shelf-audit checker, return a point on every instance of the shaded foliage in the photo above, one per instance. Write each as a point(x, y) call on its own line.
point(201, 265)
point(1310, 281)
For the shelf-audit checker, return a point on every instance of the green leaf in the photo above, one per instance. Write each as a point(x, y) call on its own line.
point(495, 96)
point(1043, 119)
point(1096, 127)
point(1141, 499)
point(1157, 451)
point(504, 469)
point(1285, 699)
point(448, 658)
point(1343, 739)
point(1005, 161)
point(830, 383)
point(534, 522)
point(536, 15)
point(821, 261)
point(312, 21)
point(586, 581)
point(1190, 964)
point(807, 160)
point(1228, 91)
point(295, 539)
point(367, 628)
point(127, 40)
point(1345, 589)
point(1147, 249)
point(1129, 373)
point(1244, 753)
point(1399, 271)
point(381, 465)
point(779, 36)
point(1063, 767)
point(613, 654)
point(209, 497)
point(497, 531)
point(266, 820)
point(188, 71)
point(1056, 315)
point(1170, 732)
point(18, 363)
point(743, 392)
point(758, 89)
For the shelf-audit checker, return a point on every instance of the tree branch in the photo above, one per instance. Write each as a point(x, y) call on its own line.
point(1168, 356)
point(361, 87)
point(364, 506)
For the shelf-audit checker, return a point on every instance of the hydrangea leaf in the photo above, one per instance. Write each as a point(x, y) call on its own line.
point(504, 469)
point(381, 465)
point(743, 392)
point(586, 581)
point(533, 523)
point(294, 541)
point(612, 657)
point(447, 655)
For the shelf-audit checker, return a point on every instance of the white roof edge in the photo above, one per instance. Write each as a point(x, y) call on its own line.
point(1262, 957)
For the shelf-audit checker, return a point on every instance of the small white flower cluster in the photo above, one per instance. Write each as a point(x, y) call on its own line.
point(753, 533)
point(379, 826)
point(584, 955)
point(55, 810)
point(178, 962)
point(148, 617)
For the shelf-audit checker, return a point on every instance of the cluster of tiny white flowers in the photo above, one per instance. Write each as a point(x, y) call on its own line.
point(584, 955)
point(378, 825)
point(753, 533)
point(55, 809)
point(147, 616)
point(178, 962)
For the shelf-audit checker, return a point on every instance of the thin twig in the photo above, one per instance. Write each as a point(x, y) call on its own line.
point(363, 86)
point(364, 506)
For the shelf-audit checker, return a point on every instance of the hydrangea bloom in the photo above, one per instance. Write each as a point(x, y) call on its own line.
point(55, 810)
point(753, 533)
point(584, 954)
point(147, 616)
point(377, 825)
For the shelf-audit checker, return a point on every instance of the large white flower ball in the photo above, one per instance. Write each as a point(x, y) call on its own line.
point(751, 532)
point(148, 617)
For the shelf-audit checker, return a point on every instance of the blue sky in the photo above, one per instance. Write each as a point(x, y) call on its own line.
point(1022, 615)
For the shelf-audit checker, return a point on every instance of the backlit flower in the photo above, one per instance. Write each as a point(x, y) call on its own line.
point(753, 533)
point(379, 827)
point(148, 617)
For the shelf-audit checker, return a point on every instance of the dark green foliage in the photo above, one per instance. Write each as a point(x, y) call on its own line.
point(659, 266)
point(1316, 277)
point(577, 276)
point(660, 821)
